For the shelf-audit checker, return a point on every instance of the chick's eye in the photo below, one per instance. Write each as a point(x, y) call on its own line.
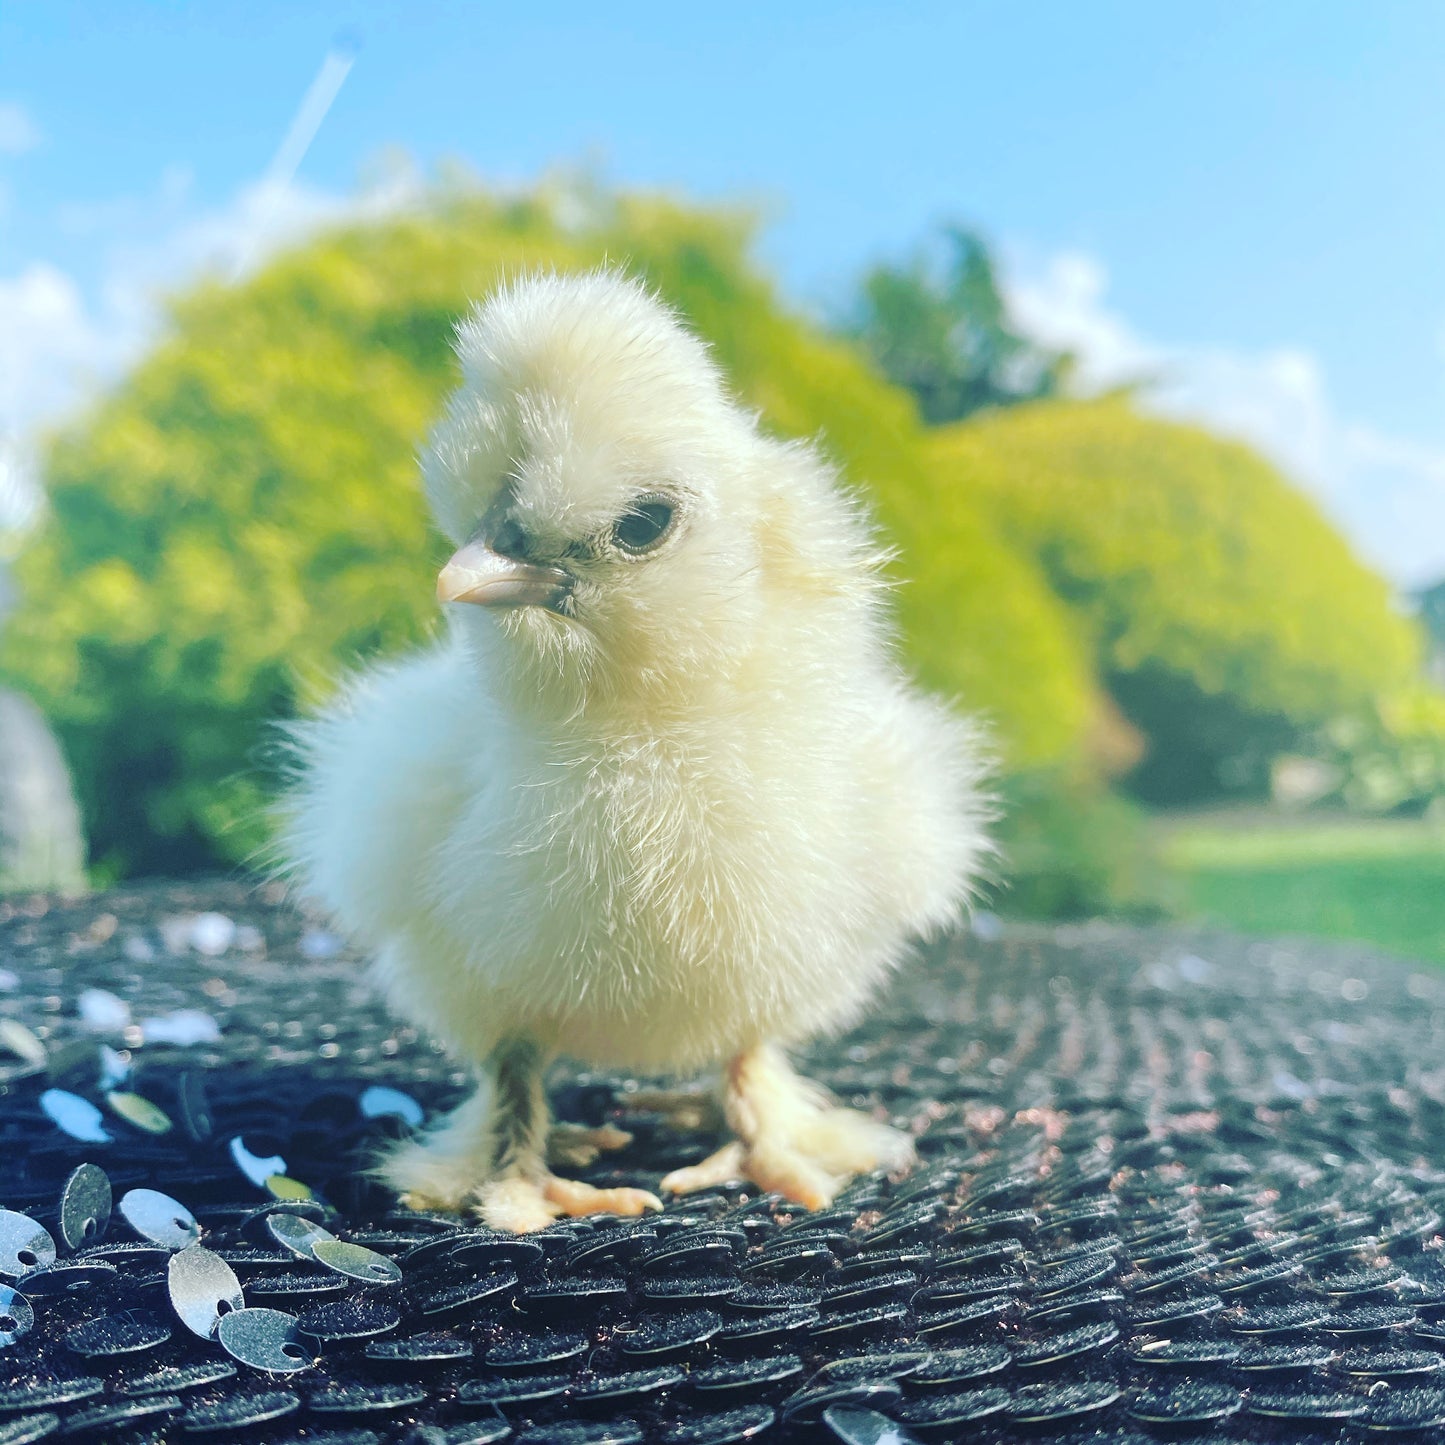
point(644, 525)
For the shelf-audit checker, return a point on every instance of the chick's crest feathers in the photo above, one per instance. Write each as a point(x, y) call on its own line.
point(554, 359)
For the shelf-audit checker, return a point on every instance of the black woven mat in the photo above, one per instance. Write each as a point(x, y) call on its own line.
point(1172, 1188)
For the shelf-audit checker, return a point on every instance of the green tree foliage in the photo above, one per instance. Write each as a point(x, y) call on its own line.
point(938, 327)
point(1227, 616)
point(242, 519)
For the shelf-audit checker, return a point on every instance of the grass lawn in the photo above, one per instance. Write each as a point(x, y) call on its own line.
point(1378, 880)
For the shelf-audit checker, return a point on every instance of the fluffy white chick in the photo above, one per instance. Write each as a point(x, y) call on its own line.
point(663, 797)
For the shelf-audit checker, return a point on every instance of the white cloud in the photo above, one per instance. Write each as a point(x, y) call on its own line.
point(1063, 306)
point(18, 133)
point(268, 216)
point(52, 349)
point(56, 342)
point(1388, 493)
point(59, 345)
point(48, 341)
point(260, 219)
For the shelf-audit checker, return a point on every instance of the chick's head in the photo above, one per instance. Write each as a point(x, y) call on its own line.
point(615, 513)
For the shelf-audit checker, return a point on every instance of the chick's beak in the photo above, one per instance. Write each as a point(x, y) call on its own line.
point(475, 573)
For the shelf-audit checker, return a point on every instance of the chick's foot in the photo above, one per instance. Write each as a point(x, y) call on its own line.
point(790, 1137)
point(486, 1157)
point(524, 1204)
point(727, 1165)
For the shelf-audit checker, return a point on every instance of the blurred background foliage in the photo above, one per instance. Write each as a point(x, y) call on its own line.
point(937, 325)
point(1145, 613)
point(1220, 610)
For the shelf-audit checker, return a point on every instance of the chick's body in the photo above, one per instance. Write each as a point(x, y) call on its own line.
point(664, 798)
point(652, 899)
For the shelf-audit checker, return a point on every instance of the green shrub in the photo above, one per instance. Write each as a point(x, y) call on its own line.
point(1227, 616)
point(241, 519)
point(1073, 849)
point(1389, 758)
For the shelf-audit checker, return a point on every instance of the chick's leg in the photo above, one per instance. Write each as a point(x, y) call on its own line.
point(790, 1137)
point(522, 1193)
point(489, 1156)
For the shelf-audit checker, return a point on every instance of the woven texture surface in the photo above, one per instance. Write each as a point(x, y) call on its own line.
point(1172, 1187)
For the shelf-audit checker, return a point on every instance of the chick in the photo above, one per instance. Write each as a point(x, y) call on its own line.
point(661, 797)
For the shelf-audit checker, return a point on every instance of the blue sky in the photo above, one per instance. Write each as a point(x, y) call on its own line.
point(1242, 201)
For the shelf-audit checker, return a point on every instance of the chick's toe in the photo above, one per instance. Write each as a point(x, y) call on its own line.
point(522, 1205)
point(791, 1138)
point(725, 1166)
point(573, 1197)
point(576, 1146)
